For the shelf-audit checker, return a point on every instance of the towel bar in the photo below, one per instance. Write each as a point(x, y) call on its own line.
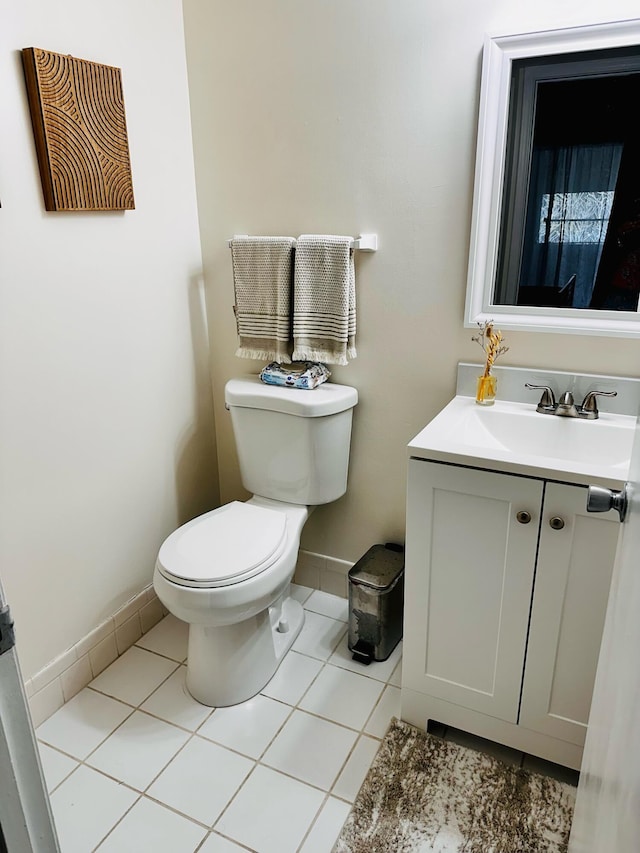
point(363, 243)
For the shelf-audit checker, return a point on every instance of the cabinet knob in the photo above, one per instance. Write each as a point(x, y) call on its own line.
point(523, 516)
point(556, 523)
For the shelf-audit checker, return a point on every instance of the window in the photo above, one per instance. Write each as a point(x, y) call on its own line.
point(580, 217)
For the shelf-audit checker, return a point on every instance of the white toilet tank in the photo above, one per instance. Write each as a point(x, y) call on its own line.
point(293, 444)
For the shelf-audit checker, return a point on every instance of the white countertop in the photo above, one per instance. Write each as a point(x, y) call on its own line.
point(514, 438)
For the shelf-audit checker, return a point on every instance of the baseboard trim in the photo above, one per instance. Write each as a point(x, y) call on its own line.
point(320, 571)
point(60, 680)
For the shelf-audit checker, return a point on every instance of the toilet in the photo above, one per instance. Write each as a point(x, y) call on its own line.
point(227, 573)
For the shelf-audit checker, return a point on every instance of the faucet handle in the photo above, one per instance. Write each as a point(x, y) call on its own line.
point(589, 407)
point(547, 404)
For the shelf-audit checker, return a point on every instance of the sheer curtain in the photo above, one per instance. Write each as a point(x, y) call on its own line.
point(570, 196)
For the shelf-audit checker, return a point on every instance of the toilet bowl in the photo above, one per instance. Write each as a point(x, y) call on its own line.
point(228, 572)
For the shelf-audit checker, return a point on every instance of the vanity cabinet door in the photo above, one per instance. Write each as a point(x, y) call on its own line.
point(569, 603)
point(468, 585)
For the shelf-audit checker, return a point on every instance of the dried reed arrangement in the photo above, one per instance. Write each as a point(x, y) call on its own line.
point(492, 343)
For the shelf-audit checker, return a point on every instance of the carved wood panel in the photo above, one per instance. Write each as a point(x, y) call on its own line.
point(78, 117)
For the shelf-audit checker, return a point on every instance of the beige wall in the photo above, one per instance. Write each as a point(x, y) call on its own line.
point(346, 116)
point(105, 401)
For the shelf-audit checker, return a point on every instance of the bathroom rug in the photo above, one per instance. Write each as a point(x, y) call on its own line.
point(424, 794)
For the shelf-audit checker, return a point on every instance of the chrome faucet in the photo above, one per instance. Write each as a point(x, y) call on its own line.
point(566, 407)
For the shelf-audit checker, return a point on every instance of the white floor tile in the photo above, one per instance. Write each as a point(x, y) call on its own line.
point(85, 807)
point(201, 780)
point(150, 828)
point(138, 750)
point(305, 729)
point(396, 676)
point(342, 696)
point(382, 670)
point(134, 675)
point(271, 812)
point(55, 765)
point(326, 829)
point(83, 723)
point(169, 638)
point(319, 636)
point(328, 605)
point(217, 844)
point(356, 768)
point(173, 702)
point(310, 749)
point(300, 593)
point(249, 727)
point(293, 677)
point(387, 707)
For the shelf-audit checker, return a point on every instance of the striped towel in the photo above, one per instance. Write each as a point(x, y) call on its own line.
point(324, 316)
point(262, 273)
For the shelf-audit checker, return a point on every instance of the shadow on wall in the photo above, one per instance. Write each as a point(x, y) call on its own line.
point(196, 470)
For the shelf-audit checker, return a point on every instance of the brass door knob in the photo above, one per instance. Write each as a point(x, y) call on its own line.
point(523, 516)
point(556, 523)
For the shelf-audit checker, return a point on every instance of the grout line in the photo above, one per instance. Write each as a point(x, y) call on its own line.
point(145, 795)
point(313, 822)
point(373, 710)
point(90, 753)
point(217, 834)
point(109, 696)
point(124, 701)
point(119, 821)
point(360, 737)
point(231, 800)
point(236, 751)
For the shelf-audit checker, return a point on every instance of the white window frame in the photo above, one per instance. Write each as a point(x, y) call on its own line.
point(499, 54)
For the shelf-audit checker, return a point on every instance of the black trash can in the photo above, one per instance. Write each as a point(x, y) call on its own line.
point(376, 599)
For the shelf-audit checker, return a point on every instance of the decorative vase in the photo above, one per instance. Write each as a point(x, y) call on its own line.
point(486, 390)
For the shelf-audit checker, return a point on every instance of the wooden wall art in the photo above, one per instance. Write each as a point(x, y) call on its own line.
point(77, 112)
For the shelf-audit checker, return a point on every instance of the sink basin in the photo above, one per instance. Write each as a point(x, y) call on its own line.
point(513, 436)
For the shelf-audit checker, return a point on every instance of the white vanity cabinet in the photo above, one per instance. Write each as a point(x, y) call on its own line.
point(506, 587)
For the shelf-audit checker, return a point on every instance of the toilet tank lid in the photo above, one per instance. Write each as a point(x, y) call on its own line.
point(327, 399)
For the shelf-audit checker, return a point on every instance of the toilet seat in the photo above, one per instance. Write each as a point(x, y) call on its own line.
point(224, 546)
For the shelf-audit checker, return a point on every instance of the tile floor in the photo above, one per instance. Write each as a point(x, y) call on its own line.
point(134, 764)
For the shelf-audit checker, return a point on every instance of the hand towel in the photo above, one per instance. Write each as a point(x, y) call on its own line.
point(324, 288)
point(262, 279)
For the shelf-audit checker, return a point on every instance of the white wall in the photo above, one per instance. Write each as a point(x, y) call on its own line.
point(346, 116)
point(106, 435)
